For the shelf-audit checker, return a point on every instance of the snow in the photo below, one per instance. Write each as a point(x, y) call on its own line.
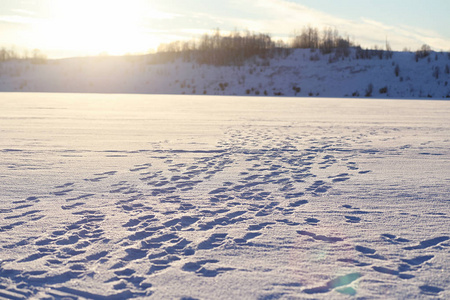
point(303, 73)
point(108, 196)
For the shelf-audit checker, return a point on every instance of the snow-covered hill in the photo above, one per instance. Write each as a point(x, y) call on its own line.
point(302, 73)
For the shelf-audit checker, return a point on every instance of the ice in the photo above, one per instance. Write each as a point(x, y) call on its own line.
point(201, 197)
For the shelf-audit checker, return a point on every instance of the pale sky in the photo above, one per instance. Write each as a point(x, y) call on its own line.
point(64, 28)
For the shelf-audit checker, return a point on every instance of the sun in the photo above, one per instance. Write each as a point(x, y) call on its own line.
point(95, 26)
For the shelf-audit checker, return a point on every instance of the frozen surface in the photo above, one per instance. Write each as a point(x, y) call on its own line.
point(199, 197)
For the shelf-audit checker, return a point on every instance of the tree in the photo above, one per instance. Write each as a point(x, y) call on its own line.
point(423, 52)
point(308, 39)
point(327, 44)
point(38, 57)
point(6, 54)
point(389, 53)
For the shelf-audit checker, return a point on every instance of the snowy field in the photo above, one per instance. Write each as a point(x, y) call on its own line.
point(202, 197)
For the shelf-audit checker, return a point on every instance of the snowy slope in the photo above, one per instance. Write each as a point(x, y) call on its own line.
point(302, 73)
point(202, 197)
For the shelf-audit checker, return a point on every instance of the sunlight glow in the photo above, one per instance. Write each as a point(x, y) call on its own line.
point(114, 27)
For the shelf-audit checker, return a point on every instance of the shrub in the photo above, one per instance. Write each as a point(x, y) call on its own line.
point(383, 90)
point(223, 86)
point(314, 57)
point(397, 70)
point(436, 72)
point(369, 90)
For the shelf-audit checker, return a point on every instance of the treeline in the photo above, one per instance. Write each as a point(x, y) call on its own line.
point(330, 41)
point(327, 42)
point(236, 47)
point(217, 49)
point(35, 56)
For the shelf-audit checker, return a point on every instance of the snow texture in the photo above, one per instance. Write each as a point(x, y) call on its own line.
point(302, 73)
point(202, 197)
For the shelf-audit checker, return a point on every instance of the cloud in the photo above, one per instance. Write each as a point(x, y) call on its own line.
point(159, 15)
point(287, 16)
point(23, 12)
point(399, 36)
point(17, 19)
point(281, 18)
point(165, 21)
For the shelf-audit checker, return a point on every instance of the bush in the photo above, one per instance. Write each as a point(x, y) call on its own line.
point(397, 70)
point(436, 72)
point(369, 90)
point(223, 86)
point(314, 57)
point(383, 90)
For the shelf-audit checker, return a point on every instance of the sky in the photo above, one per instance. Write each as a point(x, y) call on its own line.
point(65, 28)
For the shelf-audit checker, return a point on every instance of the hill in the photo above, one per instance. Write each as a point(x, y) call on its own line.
point(297, 72)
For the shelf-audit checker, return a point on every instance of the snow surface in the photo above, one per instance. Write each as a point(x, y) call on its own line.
point(202, 197)
point(312, 72)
